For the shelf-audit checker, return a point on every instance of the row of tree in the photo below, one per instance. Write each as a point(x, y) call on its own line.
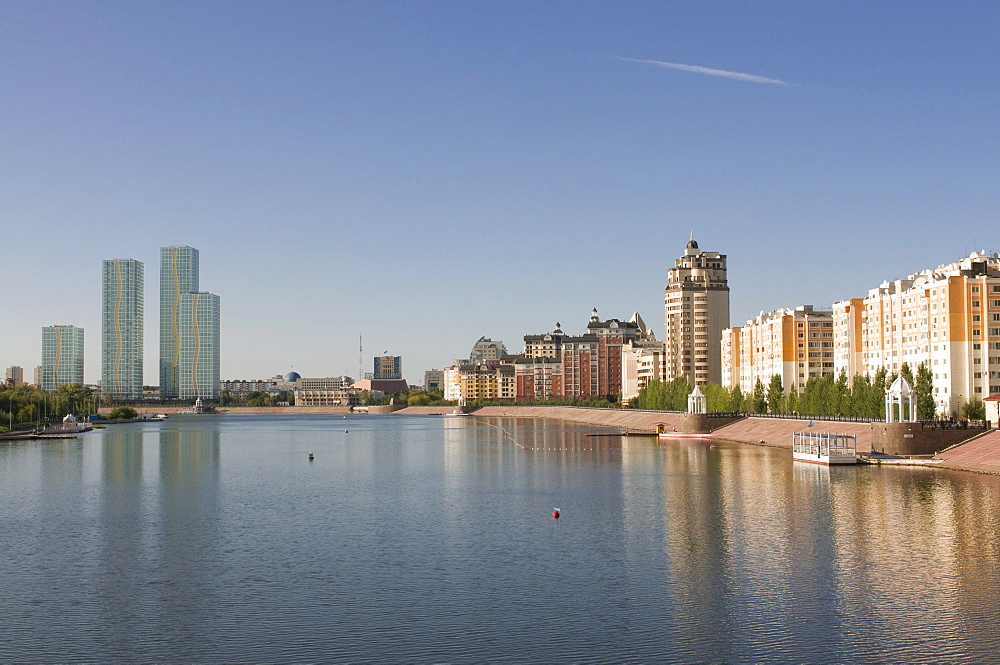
point(256, 399)
point(862, 397)
point(26, 406)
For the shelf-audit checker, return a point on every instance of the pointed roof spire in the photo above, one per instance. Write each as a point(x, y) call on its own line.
point(692, 247)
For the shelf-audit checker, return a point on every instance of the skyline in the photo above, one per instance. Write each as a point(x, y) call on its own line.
point(424, 175)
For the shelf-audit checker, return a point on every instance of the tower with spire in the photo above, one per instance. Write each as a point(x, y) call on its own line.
point(696, 311)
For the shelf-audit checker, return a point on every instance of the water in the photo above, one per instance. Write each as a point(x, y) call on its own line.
point(430, 540)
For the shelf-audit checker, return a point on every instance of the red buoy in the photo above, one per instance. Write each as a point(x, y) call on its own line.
point(555, 514)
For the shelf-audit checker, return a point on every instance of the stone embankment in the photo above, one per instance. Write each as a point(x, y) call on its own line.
point(981, 454)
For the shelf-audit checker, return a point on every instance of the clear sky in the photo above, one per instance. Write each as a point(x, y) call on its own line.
point(425, 173)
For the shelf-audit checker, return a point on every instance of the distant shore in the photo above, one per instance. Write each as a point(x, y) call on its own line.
point(981, 455)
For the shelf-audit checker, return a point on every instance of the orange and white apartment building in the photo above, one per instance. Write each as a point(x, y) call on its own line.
point(795, 344)
point(947, 318)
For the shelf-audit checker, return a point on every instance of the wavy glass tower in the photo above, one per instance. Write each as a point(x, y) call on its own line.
point(198, 359)
point(696, 311)
point(122, 328)
point(62, 356)
point(189, 329)
point(178, 277)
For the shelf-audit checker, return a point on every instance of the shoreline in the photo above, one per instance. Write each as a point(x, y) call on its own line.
point(978, 455)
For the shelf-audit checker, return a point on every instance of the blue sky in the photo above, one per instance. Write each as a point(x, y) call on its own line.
point(426, 173)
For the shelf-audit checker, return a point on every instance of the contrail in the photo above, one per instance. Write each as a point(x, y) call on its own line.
point(739, 76)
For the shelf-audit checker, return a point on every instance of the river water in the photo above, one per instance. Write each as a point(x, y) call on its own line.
point(428, 539)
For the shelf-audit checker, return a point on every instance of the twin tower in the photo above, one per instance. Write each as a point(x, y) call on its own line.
point(189, 329)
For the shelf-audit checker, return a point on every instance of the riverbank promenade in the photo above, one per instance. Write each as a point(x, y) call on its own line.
point(980, 454)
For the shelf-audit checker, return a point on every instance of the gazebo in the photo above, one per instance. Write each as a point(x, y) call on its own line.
point(900, 392)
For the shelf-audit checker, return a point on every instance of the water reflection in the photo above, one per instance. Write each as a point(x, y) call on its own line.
point(430, 540)
point(188, 532)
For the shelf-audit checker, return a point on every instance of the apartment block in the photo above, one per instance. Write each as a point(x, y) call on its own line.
point(122, 328)
point(62, 356)
point(15, 375)
point(590, 365)
point(198, 358)
point(946, 317)
point(388, 367)
point(796, 344)
point(696, 311)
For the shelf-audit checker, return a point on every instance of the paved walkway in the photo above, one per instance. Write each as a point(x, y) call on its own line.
point(982, 454)
point(778, 432)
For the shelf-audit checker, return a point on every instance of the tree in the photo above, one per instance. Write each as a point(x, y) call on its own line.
point(716, 397)
point(974, 409)
point(122, 413)
point(775, 394)
point(792, 399)
point(758, 398)
point(880, 384)
point(841, 396)
point(924, 393)
point(736, 399)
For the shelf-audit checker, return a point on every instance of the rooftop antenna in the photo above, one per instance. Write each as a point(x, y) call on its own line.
point(361, 358)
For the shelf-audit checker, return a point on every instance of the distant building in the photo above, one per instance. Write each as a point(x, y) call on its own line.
point(62, 356)
point(15, 375)
point(341, 397)
point(198, 364)
point(538, 377)
point(189, 329)
point(696, 311)
point(434, 379)
point(564, 366)
point(388, 367)
point(324, 383)
point(385, 386)
point(122, 328)
point(245, 386)
point(178, 276)
point(794, 344)
point(643, 360)
point(486, 349)
point(947, 318)
point(37, 376)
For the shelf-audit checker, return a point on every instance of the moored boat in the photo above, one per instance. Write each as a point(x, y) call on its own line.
point(824, 448)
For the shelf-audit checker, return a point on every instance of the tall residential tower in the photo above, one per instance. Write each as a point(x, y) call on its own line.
point(62, 356)
point(178, 277)
point(198, 357)
point(189, 329)
point(696, 311)
point(122, 328)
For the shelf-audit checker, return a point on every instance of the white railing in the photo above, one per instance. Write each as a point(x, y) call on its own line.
point(824, 444)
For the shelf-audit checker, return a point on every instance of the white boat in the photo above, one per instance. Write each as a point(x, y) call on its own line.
point(824, 448)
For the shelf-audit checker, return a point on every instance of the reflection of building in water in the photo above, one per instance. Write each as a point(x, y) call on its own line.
point(124, 529)
point(189, 524)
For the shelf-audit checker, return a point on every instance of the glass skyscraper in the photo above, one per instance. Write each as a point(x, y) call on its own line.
point(189, 329)
point(198, 364)
point(178, 277)
point(62, 356)
point(122, 328)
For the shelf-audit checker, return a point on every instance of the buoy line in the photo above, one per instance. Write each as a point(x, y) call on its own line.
point(506, 434)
